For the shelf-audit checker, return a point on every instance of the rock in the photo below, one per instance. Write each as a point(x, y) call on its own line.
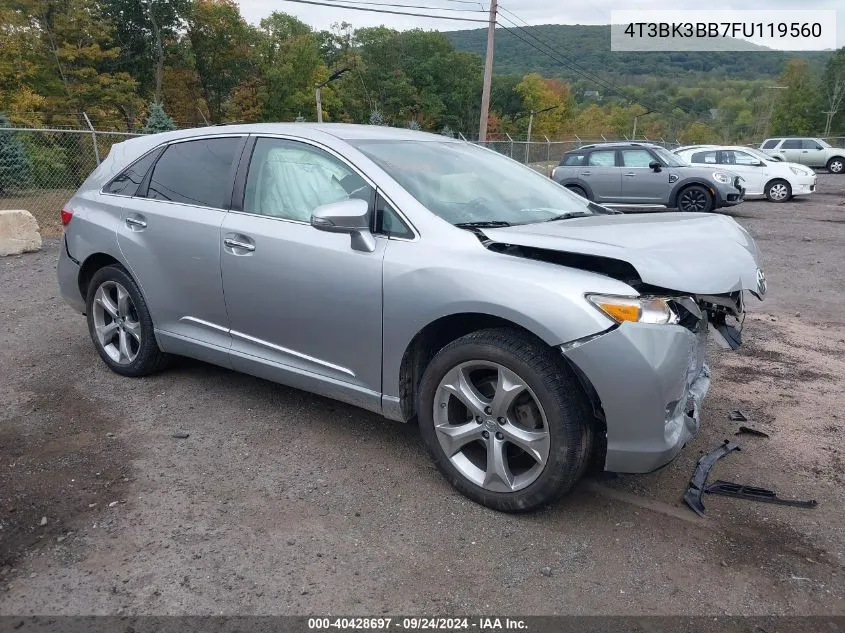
point(304, 591)
point(109, 434)
point(181, 435)
point(797, 314)
point(546, 571)
point(291, 541)
point(806, 239)
point(18, 232)
point(43, 521)
point(113, 504)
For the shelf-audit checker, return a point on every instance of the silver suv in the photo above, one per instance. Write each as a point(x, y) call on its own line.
point(812, 152)
point(634, 174)
point(527, 330)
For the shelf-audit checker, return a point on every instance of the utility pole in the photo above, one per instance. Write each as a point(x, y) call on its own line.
point(488, 73)
point(319, 105)
point(320, 85)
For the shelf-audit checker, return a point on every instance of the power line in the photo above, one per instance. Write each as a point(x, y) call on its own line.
point(419, 15)
point(407, 6)
point(566, 63)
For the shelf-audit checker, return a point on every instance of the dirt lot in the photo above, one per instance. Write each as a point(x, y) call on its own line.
point(281, 502)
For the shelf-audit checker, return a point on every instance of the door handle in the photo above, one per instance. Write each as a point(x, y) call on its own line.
point(586, 173)
point(804, 151)
point(133, 223)
point(232, 243)
point(630, 174)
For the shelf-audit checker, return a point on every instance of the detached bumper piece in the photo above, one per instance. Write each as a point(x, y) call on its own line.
point(753, 493)
point(698, 483)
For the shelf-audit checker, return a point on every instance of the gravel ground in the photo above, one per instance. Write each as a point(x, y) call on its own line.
point(280, 502)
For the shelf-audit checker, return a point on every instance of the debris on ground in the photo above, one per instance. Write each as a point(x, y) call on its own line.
point(737, 416)
point(749, 431)
point(181, 435)
point(698, 482)
point(753, 493)
point(43, 521)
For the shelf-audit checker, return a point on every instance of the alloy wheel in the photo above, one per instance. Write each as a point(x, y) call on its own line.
point(491, 426)
point(116, 323)
point(693, 200)
point(836, 166)
point(779, 191)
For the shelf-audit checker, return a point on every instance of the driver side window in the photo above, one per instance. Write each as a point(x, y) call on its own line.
point(289, 179)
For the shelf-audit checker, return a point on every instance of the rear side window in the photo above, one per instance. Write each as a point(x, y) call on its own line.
point(196, 172)
point(792, 143)
point(126, 184)
point(704, 157)
point(573, 159)
point(770, 144)
point(603, 158)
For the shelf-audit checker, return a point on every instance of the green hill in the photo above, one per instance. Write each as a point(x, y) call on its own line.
point(589, 48)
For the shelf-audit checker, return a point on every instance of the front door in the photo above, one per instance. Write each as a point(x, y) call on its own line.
point(812, 153)
point(749, 167)
point(640, 183)
point(305, 308)
point(792, 150)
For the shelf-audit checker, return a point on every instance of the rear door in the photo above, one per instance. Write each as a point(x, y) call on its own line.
point(791, 150)
point(640, 183)
point(602, 175)
point(170, 236)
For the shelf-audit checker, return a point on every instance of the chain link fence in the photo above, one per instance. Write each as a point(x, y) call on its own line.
point(41, 168)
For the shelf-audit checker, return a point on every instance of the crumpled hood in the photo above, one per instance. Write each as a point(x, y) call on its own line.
point(698, 253)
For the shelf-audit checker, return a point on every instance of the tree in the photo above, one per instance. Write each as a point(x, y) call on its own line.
point(539, 94)
point(833, 88)
point(796, 109)
point(157, 120)
point(376, 118)
point(14, 163)
point(221, 42)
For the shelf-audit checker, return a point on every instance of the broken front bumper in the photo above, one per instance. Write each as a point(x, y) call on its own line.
point(650, 380)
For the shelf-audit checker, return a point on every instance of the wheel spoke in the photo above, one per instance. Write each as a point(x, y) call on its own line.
point(535, 443)
point(105, 333)
point(508, 387)
point(124, 349)
point(105, 301)
point(457, 383)
point(123, 301)
point(133, 328)
point(498, 475)
point(455, 436)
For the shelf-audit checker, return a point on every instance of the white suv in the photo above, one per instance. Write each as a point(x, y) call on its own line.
point(765, 176)
point(813, 152)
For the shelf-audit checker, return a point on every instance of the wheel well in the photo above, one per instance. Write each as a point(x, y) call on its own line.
point(686, 186)
point(832, 158)
point(90, 266)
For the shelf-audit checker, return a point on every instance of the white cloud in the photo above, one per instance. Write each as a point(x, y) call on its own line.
point(532, 11)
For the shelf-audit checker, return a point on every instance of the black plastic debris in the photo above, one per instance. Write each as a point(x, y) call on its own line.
point(749, 431)
point(698, 482)
point(737, 416)
point(753, 493)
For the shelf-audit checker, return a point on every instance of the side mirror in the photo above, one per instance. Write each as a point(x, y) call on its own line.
point(346, 216)
point(654, 165)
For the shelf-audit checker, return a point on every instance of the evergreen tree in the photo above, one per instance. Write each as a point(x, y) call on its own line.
point(14, 162)
point(447, 131)
point(413, 125)
point(157, 120)
point(376, 118)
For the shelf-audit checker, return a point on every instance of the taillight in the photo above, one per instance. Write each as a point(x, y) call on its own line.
point(67, 216)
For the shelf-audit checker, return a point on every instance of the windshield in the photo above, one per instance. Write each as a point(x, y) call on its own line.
point(670, 159)
point(756, 153)
point(466, 184)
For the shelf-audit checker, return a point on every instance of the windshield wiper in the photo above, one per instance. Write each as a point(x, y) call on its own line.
point(483, 224)
point(569, 215)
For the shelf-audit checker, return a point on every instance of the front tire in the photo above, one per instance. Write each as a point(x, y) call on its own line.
point(578, 191)
point(778, 191)
point(695, 199)
point(120, 324)
point(505, 420)
point(836, 165)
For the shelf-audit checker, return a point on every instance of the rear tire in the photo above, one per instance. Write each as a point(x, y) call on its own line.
point(525, 407)
point(778, 191)
point(695, 199)
point(578, 191)
point(120, 324)
point(836, 165)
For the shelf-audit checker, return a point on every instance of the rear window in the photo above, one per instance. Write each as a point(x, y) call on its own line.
point(770, 144)
point(196, 172)
point(573, 159)
point(126, 184)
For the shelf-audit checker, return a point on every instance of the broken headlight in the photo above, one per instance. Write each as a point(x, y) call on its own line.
point(637, 309)
point(720, 176)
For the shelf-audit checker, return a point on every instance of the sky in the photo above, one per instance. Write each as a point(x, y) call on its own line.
point(532, 11)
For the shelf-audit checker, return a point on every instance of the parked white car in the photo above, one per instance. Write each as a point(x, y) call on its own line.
point(764, 176)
